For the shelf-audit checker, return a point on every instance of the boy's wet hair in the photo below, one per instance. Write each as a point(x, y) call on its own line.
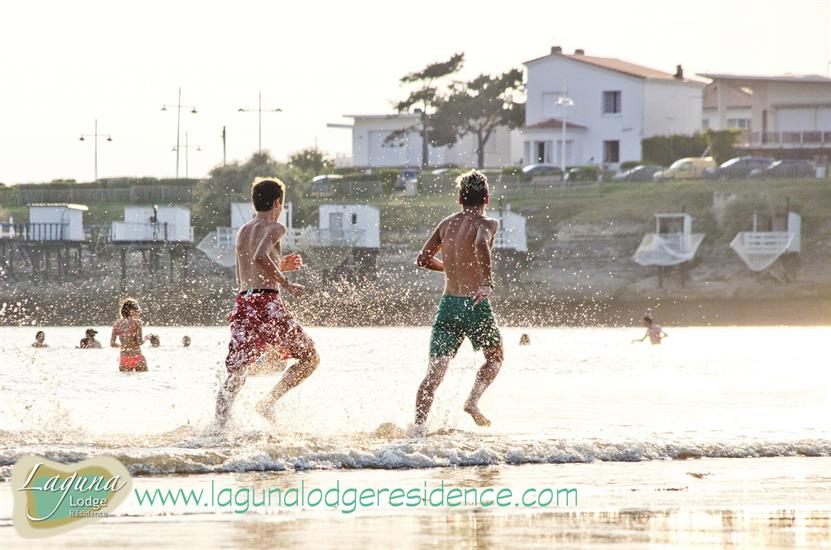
point(127, 305)
point(265, 191)
point(647, 319)
point(40, 333)
point(473, 188)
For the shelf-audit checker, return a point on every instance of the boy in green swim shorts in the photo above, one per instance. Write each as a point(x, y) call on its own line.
point(465, 240)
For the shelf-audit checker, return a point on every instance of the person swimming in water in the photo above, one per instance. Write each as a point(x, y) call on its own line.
point(260, 321)
point(186, 341)
point(40, 340)
point(128, 330)
point(465, 240)
point(654, 332)
point(89, 341)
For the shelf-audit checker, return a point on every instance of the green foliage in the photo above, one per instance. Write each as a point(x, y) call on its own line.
point(425, 97)
point(312, 161)
point(629, 164)
point(108, 183)
point(722, 144)
point(478, 107)
point(232, 183)
point(665, 150)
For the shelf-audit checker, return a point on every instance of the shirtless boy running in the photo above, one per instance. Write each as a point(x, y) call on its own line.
point(260, 321)
point(465, 240)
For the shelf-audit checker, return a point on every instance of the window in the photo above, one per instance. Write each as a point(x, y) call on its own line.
point(611, 151)
point(741, 123)
point(354, 219)
point(611, 103)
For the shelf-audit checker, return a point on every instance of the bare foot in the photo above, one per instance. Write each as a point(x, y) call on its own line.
point(266, 410)
point(477, 415)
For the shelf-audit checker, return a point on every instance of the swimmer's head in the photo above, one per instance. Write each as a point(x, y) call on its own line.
point(91, 332)
point(40, 336)
point(186, 341)
point(647, 320)
point(154, 340)
point(473, 189)
point(267, 194)
point(129, 308)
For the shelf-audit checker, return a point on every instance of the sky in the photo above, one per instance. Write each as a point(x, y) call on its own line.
point(64, 64)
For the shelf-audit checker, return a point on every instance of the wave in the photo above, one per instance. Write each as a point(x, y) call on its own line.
point(194, 453)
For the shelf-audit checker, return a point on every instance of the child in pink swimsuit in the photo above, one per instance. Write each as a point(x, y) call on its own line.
point(128, 330)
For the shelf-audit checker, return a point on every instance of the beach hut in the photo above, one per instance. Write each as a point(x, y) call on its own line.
point(772, 236)
point(153, 224)
point(511, 234)
point(346, 225)
point(55, 222)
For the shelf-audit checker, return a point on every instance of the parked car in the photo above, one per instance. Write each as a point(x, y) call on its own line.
point(739, 167)
point(533, 170)
point(641, 172)
point(323, 185)
point(787, 168)
point(685, 169)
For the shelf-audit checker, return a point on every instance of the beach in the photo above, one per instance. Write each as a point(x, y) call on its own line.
point(717, 438)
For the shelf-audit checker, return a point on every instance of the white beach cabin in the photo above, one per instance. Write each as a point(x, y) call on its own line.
point(345, 225)
point(511, 234)
point(56, 222)
point(153, 224)
point(770, 238)
point(673, 242)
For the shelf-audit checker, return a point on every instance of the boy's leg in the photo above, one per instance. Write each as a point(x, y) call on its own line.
point(308, 360)
point(484, 377)
point(427, 389)
point(228, 392)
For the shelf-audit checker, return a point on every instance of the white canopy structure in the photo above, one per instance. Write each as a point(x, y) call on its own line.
point(759, 249)
point(673, 242)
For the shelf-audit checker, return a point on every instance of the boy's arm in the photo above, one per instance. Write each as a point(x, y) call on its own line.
point(140, 333)
point(482, 248)
point(112, 339)
point(427, 257)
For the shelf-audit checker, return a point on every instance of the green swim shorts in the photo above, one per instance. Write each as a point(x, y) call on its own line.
point(456, 318)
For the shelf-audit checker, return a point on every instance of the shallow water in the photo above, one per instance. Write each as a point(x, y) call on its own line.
point(573, 395)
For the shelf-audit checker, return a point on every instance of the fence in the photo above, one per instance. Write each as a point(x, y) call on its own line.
point(134, 194)
point(34, 231)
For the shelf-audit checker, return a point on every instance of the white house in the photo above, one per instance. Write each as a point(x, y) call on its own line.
point(790, 115)
point(346, 225)
point(370, 150)
point(738, 104)
point(150, 224)
point(56, 222)
point(511, 234)
point(615, 105)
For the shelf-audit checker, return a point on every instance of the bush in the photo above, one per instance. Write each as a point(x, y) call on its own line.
point(665, 150)
point(629, 164)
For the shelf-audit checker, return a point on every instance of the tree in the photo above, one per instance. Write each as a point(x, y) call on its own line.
point(311, 160)
point(232, 183)
point(425, 98)
point(478, 108)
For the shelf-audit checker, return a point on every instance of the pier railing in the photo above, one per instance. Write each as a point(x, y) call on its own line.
point(34, 231)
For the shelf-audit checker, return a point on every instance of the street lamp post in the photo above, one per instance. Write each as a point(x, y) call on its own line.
point(95, 137)
point(178, 107)
point(259, 110)
point(564, 102)
point(187, 147)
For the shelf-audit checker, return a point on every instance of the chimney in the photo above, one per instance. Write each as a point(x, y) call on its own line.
point(556, 50)
point(679, 72)
point(579, 51)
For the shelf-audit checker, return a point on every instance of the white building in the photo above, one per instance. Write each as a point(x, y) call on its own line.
point(616, 105)
point(511, 234)
point(243, 212)
point(56, 222)
point(370, 150)
point(345, 225)
point(152, 224)
point(789, 115)
point(737, 111)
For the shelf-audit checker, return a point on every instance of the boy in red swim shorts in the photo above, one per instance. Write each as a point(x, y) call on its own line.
point(260, 321)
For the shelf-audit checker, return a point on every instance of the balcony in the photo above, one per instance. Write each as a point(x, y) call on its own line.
point(807, 139)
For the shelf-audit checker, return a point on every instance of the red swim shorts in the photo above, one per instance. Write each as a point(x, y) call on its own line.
point(128, 363)
point(261, 320)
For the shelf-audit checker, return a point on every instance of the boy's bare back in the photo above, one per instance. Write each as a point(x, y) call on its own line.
point(458, 236)
point(258, 242)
